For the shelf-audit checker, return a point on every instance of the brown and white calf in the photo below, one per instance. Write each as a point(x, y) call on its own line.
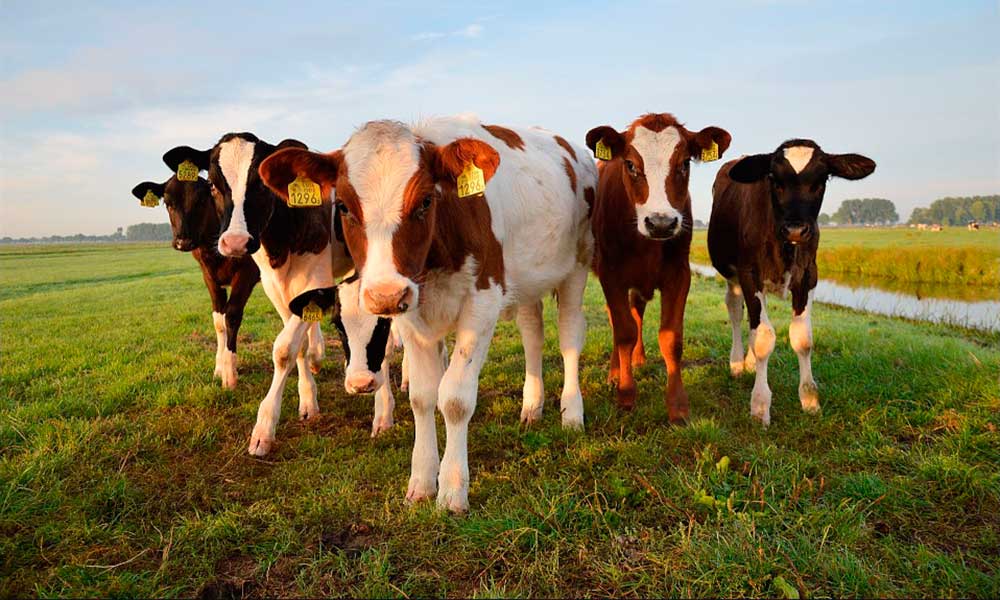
point(295, 251)
point(194, 221)
point(642, 232)
point(762, 237)
point(439, 263)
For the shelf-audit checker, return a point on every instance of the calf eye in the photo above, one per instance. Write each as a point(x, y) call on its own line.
point(631, 167)
point(425, 205)
point(346, 212)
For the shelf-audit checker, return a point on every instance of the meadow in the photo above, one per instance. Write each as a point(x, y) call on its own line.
point(951, 257)
point(123, 465)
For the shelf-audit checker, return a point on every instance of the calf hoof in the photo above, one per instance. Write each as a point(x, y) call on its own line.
point(419, 490)
point(454, 499)
point(809, 397)
point(404, 386)
point(638, 360)
point(736, 368)
point(260, 445)
point(760, 406)
point(308, 410)
point(679, 417)
point(750, 363)
point(613, 375)
point(531, 414)
point(229, 380)
point(626, 399)
point(380, 424)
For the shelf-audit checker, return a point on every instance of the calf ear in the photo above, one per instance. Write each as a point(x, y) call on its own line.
point(704, 139)
point(452, 159)
point(750, 169)
point(174, 157)
point(290, 143)
point(850, 166)
point(611, 138)
point(284, 166)
point(140, 190)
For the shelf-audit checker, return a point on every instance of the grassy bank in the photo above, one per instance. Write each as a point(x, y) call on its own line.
point(123, 468)
point(954, 256)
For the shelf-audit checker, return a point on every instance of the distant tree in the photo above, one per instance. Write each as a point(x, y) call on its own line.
point(959, 211)
point(866, 211)
point(824, 219)
point(148, 232)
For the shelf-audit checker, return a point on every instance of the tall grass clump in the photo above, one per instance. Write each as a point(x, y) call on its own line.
point(960, 266)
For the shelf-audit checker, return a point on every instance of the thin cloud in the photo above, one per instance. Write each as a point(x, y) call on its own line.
point(472, 30)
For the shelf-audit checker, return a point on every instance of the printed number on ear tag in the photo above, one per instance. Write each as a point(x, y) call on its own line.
point(601, 151)
point(312, 313)
point(710, 154)
point(187, 171)
point(150, 199)
point(471, 181)
point(303, 192)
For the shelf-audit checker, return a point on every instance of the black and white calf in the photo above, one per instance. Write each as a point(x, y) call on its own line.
point(295, 250)
point(763, 236)
point(194, 220)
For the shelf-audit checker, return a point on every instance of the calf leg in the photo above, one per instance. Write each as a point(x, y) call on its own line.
point(800, 336)
point(529, 321)
point(219, 322)
point(638, 306)
point(308, 404)
point(425, 360)
point(385, 403)
point(241, 289)
point(762, 344)
point(673, 299)
point(286, 346)
point(315, 348)
point(624, 335)
point(572, 328)
point(458, 392)
point(613, 368)
point(734, 304)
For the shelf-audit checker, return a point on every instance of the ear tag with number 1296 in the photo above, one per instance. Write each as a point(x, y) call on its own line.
point(187, 171)
point(711, 153)
point(150, 199)
point(601, 151)
point(312, 313)
point(471, 181)
point(304, 192)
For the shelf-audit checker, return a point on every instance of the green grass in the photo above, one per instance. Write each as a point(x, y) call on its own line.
point(123, 469)
point(954, 256)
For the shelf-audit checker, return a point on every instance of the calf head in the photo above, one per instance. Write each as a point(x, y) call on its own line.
point(796, 174)
point(363, 336)
point(194, 220)
point(653, 158)
point(389, 184)
point(246, 203)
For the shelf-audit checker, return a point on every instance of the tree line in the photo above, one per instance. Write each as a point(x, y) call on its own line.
point(959, 211)
point(140, 232)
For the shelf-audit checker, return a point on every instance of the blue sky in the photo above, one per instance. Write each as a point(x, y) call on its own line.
point(93, 95)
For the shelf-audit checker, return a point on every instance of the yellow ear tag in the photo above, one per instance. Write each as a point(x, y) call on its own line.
point(150, 199)
point(601, 151)
point(304, 192)
point(471, 181)
point(187, 171)
point(312, 313)
point(710, 154)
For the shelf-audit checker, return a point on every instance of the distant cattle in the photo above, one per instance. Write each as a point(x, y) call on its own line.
point(763, 236)
point(642, 229)
point(936, 227)
point(194, 220)
point(294, 247)
point(453, 223)
point(973, 226)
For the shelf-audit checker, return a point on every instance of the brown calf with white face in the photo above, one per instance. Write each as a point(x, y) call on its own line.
point(642, 229)
point(762, 237)
point(194, 220)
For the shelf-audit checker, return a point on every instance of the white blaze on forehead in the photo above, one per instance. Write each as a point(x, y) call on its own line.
point(656, 148)
point(381, 158)
point(235, 157)
point(798, 156)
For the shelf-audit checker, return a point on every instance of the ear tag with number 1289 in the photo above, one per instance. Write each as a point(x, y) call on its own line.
point(304, 192)
point(711, 153)
point(471, 181)
point(312, 313)
point(601, 151)
point(187, 171)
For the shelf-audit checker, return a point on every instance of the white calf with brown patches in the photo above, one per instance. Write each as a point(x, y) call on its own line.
point(437, 263)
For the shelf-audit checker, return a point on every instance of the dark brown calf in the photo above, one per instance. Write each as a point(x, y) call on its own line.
point(763, 236)
point(195, 221)
point(642, 229)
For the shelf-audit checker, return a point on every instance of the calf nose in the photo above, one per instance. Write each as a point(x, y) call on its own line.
point(233, 243)
point(360, 382)
point(797, 233)
point(661, 226)
point(388, 298)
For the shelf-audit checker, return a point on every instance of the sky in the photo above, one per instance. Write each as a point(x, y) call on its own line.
point(93, 94)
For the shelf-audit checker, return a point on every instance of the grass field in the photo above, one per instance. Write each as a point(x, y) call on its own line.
point(954, 256)
point(123, 465)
